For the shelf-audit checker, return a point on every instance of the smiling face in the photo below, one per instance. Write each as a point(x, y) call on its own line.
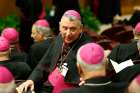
point(70, 29)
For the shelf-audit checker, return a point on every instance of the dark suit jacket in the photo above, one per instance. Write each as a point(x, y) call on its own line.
point(127, 74)
point(37, 51)
point(125, 52)
point(18, 55)
point(135, 18)
point(107, 10)
point(122, 53)
point(20, 70)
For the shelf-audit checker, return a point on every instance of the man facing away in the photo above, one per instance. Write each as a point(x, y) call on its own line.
point(124, 52)
point(7, 81)
point(92, 69)
point(19, 69)
point(12, 35)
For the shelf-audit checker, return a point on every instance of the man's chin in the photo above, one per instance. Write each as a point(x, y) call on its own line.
point(68, 41)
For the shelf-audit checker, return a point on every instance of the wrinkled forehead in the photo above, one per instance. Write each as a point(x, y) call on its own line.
point(70, 21)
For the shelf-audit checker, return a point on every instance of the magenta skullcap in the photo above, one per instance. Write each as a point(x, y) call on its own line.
point(42, 22)
point(7, 81)
point(10, 34)
point(41, 26)
point(90, 53)
point(73, 14)
point(5, 75)
point(4, 44)
point(137, 28)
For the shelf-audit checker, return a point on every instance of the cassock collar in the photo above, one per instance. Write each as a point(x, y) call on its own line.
point(98, 81)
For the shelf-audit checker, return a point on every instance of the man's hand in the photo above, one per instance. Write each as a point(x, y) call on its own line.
point(29, 84)
point(81, 82)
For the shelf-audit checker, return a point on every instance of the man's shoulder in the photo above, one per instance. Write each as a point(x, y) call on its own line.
point(73, 90)
point(127, 47)
point(87, 37)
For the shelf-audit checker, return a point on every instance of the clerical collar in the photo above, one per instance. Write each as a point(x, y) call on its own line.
point(98, 81)
point(97, 84)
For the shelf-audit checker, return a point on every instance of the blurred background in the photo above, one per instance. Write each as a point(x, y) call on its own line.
point(8, 7)
point(105, 17)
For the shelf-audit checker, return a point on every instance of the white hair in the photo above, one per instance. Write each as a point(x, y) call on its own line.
point(8, 87)
point(45, 31)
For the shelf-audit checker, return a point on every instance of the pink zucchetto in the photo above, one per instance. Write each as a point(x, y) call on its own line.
point(137, 28)
point(4, 44)
point(10, 34)
point(73, 14)
point(42, 22)
point(7, 81)
point(42, 26)
point(5, 75)
point(90, 53)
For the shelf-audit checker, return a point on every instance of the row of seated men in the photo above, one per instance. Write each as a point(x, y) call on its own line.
point(72, 59)
point(92, 71)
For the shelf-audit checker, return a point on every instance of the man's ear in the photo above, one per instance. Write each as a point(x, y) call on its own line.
point(82, 27)
point(77, 64)
point(79, 68)
point(134, 33)
point(59, 25)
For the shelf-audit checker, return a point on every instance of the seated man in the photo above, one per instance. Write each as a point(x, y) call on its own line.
point(12, 35)
point(7, 82)
point(43, 36)
point(125, 52)
point(19, 69)
point(62, 51)
point(92, 69)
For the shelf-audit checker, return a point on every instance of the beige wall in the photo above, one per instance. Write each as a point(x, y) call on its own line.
point(128, 6)
point(8, 7)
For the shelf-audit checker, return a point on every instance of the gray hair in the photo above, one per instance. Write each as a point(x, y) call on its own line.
point(45, 31)
point(8, 88)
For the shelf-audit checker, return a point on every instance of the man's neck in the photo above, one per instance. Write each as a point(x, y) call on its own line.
point(3, 58)
point(65, 44)
point(88, 75)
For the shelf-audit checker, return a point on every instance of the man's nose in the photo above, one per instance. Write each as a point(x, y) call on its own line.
point(68, 32)
point(31, 35)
